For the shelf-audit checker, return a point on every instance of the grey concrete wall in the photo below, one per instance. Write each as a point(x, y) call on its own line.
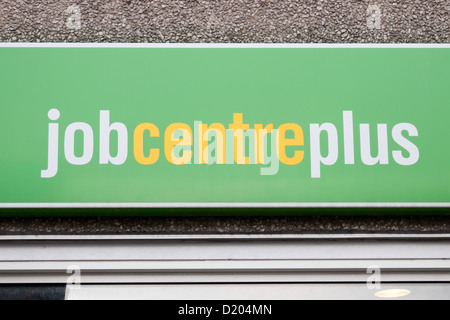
point(225, 20)
point(208, 225)
point(295, 21)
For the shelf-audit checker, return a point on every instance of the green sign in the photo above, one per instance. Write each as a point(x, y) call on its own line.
point(224, 126)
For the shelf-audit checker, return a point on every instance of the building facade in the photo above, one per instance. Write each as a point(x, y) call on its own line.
point(242, 252)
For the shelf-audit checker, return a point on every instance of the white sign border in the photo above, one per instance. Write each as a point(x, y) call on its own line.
point(226, 205)
point(224, 45)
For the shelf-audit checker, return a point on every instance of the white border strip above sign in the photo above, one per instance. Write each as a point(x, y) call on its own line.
point(220, 45)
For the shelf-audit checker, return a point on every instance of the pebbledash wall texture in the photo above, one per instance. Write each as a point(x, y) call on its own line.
point(292, 21)
point(227, 21)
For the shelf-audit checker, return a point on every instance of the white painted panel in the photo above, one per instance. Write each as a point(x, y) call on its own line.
point(252, 292)
point(214, 250)
point(225, 259)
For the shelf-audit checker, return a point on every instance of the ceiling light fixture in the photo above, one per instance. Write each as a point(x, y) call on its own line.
point(392, 293)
